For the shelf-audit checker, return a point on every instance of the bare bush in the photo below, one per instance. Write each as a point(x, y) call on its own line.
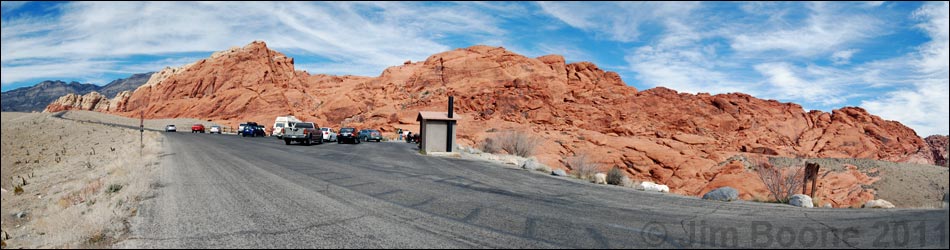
point(514, 143)
point(491, 146)
point(782, 182)
point(581, 167)
point(616, 176)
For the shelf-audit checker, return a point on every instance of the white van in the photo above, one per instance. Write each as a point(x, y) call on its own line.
point(283, 122)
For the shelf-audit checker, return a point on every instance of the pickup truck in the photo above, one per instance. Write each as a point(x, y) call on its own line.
point(305, 133)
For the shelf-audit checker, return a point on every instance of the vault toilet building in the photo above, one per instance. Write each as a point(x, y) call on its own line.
point(437, 129)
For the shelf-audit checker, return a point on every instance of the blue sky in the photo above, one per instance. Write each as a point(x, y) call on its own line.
point(890, 58)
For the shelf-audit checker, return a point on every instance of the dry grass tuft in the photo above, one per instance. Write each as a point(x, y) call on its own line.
point(582, 167)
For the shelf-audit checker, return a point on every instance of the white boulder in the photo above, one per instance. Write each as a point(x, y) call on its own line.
point(653, 187)
point(600, 178)
point(883, 204)
point(801, 200)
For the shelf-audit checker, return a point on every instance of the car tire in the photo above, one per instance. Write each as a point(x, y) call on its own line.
point(320, 140)
point(357, 141)
point(287, 142)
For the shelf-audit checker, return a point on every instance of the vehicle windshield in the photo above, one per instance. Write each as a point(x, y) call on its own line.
point(304, 125)
point(279, 125)
point(324, 129)
point(347, 130)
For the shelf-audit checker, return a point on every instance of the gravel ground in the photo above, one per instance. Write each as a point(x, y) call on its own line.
point(69, 168)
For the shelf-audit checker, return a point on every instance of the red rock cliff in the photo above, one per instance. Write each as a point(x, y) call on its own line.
point(682, 140)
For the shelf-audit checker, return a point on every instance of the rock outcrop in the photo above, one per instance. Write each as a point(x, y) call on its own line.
point(938, 147)
point(685, 141)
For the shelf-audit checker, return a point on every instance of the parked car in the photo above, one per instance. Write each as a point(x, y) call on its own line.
point(281, 123)
point(348, 135)
point(370, 135)
point(328, 134)
point(198, 128)
point(171, 128)
point(263, 130)
point(304, 133)
point(252, 129)
point(215, 130)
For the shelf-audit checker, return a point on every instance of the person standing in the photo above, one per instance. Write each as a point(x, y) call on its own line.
point(399, 131)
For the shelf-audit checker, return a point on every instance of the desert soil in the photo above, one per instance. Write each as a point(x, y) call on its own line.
point(73, 173)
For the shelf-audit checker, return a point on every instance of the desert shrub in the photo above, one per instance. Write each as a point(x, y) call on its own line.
point(490, 145)
point(114, 188)
point(616, 176)
point(782, 182)
point(581, 167)
point(520, 144)
point(514, 143)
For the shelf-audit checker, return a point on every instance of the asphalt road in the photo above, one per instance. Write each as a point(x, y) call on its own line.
point(232, 192)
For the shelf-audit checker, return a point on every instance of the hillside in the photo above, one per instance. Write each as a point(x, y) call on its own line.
point(682, 140)
point(37, 97)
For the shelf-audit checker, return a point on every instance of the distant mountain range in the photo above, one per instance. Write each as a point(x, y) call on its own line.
point(36, 97)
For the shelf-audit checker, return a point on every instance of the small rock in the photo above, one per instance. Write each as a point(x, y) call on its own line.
point(883, 204)
point(801, 200)
point(828, 205)
point(20, 215)
point(722, 194)
point(559, 172)
point(600, 178)
point(3, 190)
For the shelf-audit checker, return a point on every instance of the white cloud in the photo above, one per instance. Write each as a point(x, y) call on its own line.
point(367, 36)
point(843, 57)
point(54, 70)
point(924, 104)
point(874, 3)
point(785, 82)
point(826, 29)
point(618, 21)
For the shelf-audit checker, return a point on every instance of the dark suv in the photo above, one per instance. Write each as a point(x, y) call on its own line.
point(347, 135)
point(252, 129)
point(370, 135)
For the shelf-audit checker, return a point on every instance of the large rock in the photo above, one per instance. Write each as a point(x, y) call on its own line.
point(657, 135)
point(722, 194)
point(559, 173)
point(653, 187)
point(938, 146)
point(801, 200)
point(883, 204)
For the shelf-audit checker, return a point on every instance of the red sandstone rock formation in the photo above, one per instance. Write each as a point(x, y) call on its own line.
point(681, 140)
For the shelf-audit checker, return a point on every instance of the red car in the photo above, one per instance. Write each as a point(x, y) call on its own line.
point(198, 128)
